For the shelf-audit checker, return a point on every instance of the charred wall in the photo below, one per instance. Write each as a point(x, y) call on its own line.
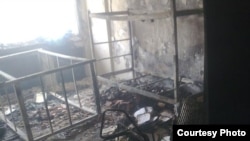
point(154, 39)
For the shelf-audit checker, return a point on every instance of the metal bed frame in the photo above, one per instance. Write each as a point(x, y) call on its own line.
point(130, 17)
point(15, 84)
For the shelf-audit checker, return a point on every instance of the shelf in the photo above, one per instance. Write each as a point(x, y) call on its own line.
point(130, 16)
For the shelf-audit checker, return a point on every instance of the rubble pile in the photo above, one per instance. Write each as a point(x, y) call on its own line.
point(114, 97)
point(86, 96)
point(38, 119)
point(146, 119)
point(86, 130)
point(141, 109)
point(146, 112)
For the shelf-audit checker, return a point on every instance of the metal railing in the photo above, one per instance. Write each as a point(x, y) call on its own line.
point(14, 93)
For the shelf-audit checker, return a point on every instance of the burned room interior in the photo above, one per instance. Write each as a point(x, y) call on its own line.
point(132, 70)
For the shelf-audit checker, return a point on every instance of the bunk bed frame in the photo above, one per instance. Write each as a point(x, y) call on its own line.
point(13, 83)
point(130, 17)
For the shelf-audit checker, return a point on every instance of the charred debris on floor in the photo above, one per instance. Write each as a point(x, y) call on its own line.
point(115, 97)
point(148, 113)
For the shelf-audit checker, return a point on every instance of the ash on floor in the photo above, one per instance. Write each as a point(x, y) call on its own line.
point(91, 134)
point(87, 132)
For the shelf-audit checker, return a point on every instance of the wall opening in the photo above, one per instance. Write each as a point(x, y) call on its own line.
point(32, 22)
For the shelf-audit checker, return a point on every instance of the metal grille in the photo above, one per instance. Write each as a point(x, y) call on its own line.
point(192, 110)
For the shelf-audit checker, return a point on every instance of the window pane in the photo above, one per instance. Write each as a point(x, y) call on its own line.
point(26, 20)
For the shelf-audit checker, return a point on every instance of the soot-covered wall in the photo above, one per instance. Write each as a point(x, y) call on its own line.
point(154, 39)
